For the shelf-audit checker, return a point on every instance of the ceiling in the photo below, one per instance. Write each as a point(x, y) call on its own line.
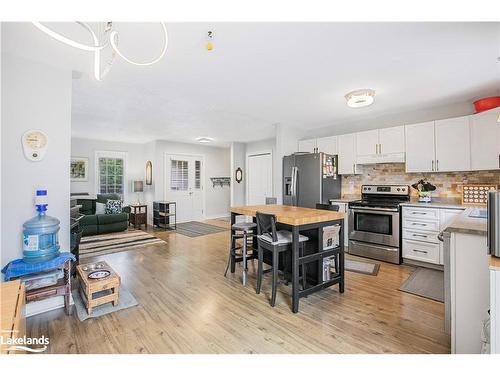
point(260, 74)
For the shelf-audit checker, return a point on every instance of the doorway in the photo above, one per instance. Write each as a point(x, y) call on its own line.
point(184, 180)
point(259, 177)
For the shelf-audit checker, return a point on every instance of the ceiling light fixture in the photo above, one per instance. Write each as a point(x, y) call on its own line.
point(360, 98)
point(204, 139)
point(103, 37)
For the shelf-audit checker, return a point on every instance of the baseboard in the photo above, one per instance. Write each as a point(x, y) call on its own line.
point(225, 214)
point(45, 305)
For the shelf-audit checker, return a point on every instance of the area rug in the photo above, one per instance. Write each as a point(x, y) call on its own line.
point(103, 244)
point(196, 229)
point(125, 300)
point(361, 267)
point(425, 282)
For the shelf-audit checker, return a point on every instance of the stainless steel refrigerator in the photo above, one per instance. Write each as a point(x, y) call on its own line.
point(309, 179)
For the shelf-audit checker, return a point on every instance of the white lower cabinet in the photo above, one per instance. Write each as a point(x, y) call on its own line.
point(420, 250)
point(421, 226)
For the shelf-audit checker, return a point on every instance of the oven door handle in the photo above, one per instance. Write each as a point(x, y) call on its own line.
point(371, 209)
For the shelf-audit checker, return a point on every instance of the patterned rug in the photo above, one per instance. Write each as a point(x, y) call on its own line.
point(196, 229)
point(102, 244)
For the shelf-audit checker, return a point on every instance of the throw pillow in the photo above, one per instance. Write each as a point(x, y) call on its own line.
point(114, 206)
point(100, 208)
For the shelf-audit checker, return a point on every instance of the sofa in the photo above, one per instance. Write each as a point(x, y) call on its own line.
point(102, 223)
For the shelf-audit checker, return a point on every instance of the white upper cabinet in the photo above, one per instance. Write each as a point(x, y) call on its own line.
point(392, 140)
point(307, 145)
point(347, 153)
point(452, 144)
point(419, 145)
point(327, 145)
point(485, 140)
point(367, 143)
point(381, 145)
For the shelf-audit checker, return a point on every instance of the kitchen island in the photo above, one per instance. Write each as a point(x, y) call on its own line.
point(309, 222)
point(466, 279)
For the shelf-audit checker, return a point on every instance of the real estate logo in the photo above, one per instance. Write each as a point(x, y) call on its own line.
point(23, 343)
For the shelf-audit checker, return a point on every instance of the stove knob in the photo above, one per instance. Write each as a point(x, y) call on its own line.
point(398, 189)
point(369, 188)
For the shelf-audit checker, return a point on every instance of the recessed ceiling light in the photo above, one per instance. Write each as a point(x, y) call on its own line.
point(204, 139)
point(360, 98)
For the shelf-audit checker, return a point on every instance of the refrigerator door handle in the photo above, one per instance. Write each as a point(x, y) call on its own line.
point(294, 184)
point(491, 215)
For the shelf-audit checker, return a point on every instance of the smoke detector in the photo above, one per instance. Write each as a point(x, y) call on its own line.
point(360, 98)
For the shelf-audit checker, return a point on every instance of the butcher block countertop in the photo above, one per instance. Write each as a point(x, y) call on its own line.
point(290, 215)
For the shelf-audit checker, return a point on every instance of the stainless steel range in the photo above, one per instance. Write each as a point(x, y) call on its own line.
point(374, 222)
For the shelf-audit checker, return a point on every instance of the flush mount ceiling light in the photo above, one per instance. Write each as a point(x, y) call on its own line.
point(104, 37)
point(360, 98)
point(204, 139)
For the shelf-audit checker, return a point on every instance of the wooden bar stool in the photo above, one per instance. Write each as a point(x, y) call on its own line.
point(246, 231)
point(276, 242)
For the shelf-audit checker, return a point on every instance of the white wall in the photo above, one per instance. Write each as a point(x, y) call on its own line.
point(217, 164)
point(135, 169)
point(238, 161)
point(34, 96)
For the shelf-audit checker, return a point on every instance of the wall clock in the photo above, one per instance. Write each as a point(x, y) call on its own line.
point(238, 175)
point(35, 144)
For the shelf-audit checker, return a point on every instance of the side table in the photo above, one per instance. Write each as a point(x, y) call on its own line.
point(138, 215)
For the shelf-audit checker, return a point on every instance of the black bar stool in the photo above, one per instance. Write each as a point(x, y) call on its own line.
point(246, 232)
point(270, 239)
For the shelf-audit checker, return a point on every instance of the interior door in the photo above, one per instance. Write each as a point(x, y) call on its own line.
point(259, 178)
point(452, 144)
point(184, 185)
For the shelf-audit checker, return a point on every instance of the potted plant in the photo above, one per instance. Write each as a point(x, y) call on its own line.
point(424, 189)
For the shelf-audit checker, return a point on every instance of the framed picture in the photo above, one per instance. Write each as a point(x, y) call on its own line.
point(79, 170)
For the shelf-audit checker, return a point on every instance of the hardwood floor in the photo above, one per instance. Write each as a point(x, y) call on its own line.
point(187, 306)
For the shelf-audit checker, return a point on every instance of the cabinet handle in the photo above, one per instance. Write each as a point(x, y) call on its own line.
point(419, 235)
point(432, 166)
point(420, 251)
point(354, 168)
point(419, 213)
point(380, 148)
point(422, 225)
point(437, 165)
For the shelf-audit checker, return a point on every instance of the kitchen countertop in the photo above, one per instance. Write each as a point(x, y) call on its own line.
point(290, 215)
point(436, 203)
point(347, 198)
point(468, 225)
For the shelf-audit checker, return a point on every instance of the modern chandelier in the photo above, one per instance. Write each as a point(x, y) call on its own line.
point(104, 38)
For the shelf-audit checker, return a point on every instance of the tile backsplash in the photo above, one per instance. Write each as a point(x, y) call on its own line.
point(448, 184)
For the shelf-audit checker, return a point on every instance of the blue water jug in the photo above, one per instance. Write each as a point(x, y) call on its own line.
point(40, 233)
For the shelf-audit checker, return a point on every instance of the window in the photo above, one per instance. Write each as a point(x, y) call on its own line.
point(197, 174)
point(179, 175)
point(111, 172)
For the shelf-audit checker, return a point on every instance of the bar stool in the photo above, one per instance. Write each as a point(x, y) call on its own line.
point(246, 230)
point(276, 242)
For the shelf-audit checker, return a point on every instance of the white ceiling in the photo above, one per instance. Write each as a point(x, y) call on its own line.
point(260, 74)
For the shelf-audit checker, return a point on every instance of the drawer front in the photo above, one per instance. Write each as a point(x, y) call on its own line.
point(418, 225)
point(429, 236)
point(421, 213)
point(422, 251)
